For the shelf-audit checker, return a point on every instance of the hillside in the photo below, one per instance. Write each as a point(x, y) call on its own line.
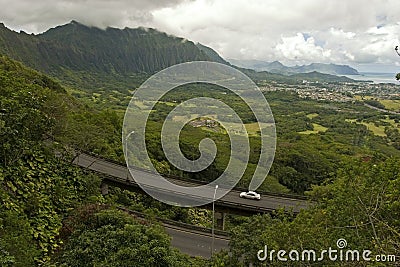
point(46, 205)
point(90, 59)
point(78, 47)
point(35, 187)
point(317, 76)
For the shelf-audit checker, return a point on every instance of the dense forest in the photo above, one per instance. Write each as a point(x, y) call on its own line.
point(52, 212)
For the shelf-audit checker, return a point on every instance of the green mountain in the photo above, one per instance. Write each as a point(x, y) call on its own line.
point(327, 68)
point(317, 76)
point(96, 60)
point(92, 59)
point(81, 48)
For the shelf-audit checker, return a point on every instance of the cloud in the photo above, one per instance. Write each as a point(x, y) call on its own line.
point(38, 16)
point(298, 48)
point(294, 32)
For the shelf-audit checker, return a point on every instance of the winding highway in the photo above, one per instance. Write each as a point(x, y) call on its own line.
point(194, 241)
point(231, 202)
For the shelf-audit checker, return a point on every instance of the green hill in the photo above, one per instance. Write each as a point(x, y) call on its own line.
point(278, 67)
point(317, 76)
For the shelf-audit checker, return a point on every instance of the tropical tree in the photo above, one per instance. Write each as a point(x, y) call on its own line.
point(114, 238)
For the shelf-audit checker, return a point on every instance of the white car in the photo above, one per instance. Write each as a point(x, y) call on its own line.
point(250, 195)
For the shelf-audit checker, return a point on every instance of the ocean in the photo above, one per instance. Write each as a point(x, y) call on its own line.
point(376, 77)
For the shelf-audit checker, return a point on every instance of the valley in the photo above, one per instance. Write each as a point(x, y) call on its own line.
point(67, 89)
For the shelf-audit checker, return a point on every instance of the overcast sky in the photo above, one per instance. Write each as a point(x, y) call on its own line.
point(362, 34)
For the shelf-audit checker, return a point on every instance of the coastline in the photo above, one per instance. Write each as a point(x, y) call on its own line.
point(375, 77)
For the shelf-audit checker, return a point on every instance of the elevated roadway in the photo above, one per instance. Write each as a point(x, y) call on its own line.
point(118, 175)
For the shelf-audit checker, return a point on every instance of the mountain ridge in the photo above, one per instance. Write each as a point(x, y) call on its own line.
point(93, 59)
point(78, 47)
point(278, 67)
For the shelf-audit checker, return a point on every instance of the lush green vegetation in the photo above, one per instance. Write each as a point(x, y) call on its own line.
point(36, 188)
point(391, 104)
point(335, 133)
point(361, 205)
point(114, 238)
point(344, 155)
point(374, 103)
point(39, 190)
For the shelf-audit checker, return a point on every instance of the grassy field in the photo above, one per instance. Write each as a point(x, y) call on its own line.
point(312, 115)
point(252, 128)
point(377, 130)
point(317, 128)
point(392, 122)
point(391, 104)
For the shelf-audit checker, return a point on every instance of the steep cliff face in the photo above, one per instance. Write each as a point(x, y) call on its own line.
point(78, 47)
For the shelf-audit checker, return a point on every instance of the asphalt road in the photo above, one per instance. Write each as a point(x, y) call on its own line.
point(195, 243)
point(230, 200)
point(381, 109)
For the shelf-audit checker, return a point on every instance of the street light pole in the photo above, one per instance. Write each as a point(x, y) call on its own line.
point(212, 228)
point(126, 154)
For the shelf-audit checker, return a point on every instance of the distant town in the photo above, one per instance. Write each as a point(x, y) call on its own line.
point(339, 92)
